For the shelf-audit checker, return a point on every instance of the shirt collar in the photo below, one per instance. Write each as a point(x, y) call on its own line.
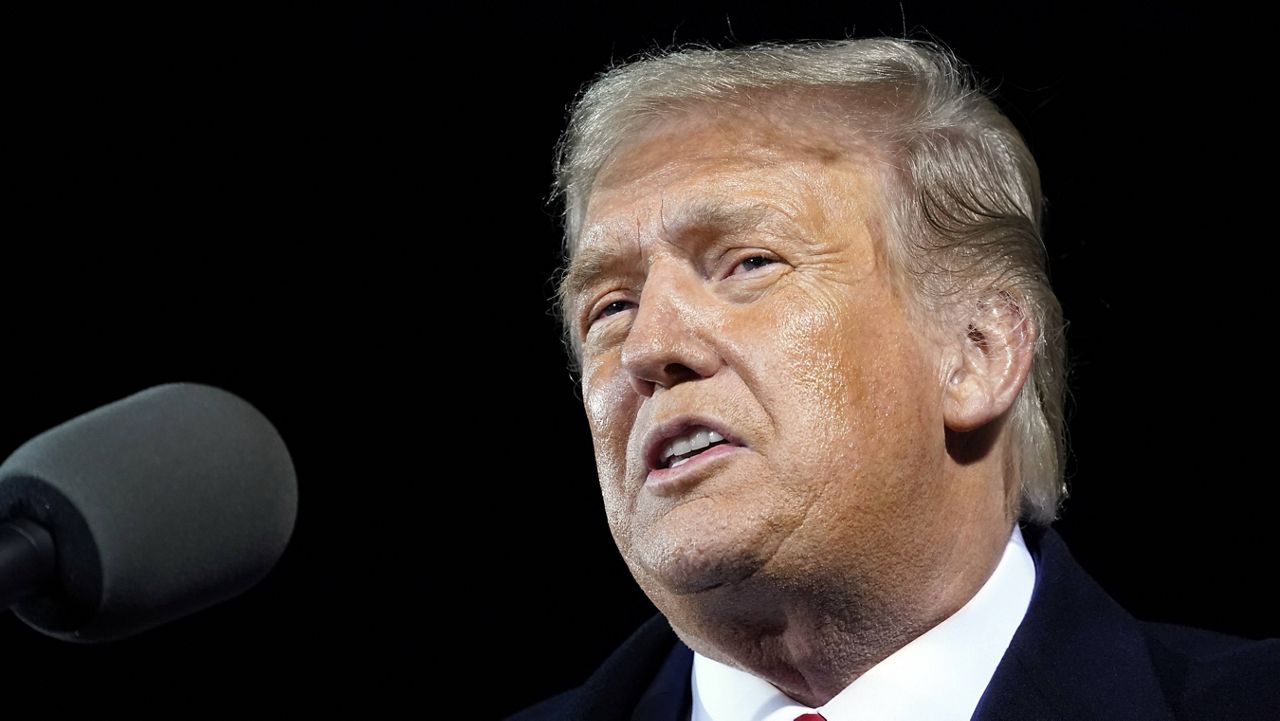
point(938, 676)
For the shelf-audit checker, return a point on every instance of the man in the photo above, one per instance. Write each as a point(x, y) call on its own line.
point(823, 371)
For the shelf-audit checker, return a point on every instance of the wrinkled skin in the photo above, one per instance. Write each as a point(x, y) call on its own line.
point(842, 527)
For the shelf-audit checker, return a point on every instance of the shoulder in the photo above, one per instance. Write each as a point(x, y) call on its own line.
point(1082, 655)
point(649, 671)
point(1212, 675)
point(551, 709)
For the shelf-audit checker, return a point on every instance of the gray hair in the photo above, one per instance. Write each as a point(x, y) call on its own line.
point(961, 191)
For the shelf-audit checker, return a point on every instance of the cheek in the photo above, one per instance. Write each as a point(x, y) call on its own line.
point(817, 359)
point(851, 390)
point(828, 388)
point(610, 404)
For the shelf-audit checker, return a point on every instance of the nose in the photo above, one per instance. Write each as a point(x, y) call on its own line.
point(669, 341)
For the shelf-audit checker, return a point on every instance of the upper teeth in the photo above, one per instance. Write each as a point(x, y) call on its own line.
point(693, 440)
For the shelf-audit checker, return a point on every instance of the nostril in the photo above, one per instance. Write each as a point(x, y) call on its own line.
point(678, 373)
point(642, 387)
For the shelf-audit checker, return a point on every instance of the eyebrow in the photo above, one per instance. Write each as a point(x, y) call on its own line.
point(719, 217)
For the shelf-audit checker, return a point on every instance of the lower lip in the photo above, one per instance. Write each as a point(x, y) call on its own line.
point(666, 481)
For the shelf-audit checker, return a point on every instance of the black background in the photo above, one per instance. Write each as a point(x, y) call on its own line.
point(339, 213)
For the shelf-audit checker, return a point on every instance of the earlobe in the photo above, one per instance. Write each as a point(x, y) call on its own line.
point(992, 360)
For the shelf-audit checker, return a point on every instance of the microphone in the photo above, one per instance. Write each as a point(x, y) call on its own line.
point(143, 511)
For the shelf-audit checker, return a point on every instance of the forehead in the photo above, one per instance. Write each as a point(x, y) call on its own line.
point(719, 173)
point(721, 141)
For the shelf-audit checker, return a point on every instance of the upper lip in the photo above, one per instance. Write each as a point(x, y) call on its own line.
point(658, 436)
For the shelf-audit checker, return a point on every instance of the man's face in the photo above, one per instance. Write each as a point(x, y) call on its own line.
point(737, 292)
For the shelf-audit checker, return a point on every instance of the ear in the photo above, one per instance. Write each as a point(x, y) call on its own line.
point(994, 342)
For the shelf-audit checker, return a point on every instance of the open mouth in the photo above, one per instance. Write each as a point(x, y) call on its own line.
point(692, 442)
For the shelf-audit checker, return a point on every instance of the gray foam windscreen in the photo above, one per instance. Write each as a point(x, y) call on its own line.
point(160, 504)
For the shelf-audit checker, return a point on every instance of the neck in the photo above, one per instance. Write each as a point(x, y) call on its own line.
point(812, 638)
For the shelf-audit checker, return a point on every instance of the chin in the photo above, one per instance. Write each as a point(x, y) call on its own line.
point(683, 561)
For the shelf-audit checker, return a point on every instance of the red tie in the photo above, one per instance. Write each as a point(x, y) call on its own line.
point(810, 717)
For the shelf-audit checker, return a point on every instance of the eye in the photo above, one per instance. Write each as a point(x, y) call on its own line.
point(754, 262)
point(616, 306)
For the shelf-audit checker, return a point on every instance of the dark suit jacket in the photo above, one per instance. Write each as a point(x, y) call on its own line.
point(1078, 656)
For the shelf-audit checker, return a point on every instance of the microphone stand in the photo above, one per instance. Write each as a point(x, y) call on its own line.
point(27, 560)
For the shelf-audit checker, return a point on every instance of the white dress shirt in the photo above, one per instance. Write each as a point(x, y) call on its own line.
point(939, 676)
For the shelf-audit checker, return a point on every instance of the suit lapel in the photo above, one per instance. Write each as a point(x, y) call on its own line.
point(1077, 655)
point(670, 697)
point(646, 679)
